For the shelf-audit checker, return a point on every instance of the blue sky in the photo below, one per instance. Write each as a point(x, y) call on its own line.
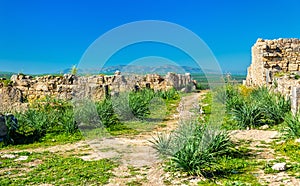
point(40, 36)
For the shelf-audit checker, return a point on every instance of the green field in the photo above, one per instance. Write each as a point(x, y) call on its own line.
point(215, 79)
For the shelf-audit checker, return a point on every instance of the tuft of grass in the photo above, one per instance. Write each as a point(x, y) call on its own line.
point(248, 115)
point(292, 129)
point(193, 147)
point(253, 107)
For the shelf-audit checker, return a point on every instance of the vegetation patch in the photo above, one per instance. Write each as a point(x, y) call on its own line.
point(48, 168)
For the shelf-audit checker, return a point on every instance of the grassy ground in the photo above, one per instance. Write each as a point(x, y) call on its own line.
point(67, 167)
point(56, 169)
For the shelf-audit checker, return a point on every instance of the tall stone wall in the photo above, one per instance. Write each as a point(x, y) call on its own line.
point(276, 63)
point(270, 58)
point(25, 89)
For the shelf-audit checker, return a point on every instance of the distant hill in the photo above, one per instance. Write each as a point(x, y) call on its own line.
point(137, 69)
point(164, 69)
point(6, 75)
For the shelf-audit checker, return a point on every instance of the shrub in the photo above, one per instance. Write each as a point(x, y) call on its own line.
point(248, 115)
point(171, 94)
point(121, 106)
point(33, 123)
point(139, 103)
point(253, 107)
point(293, 125)
point(86, 114)
point(106, 113)
point(274, 106)
point(230, 96)
point(193, 147)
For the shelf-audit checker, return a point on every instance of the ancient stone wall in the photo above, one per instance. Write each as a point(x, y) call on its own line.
point(276, 63)
point(25, 89)
point(273, 58)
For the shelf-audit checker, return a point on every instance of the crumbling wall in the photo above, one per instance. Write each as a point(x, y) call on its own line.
point(276, 63)
point(25, 89)
point(273, 58)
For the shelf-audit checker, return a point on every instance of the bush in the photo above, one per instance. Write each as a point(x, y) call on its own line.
point(230, 96)
point(253, 107)
point(171, 94)
point(139, 103)
point(49, 116)
point(193, 147)
point(293, 125)
point(273, 105)
point(106, 113)
point(132, 105)
point(248, 115)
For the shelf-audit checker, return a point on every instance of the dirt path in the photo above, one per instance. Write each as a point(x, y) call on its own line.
point(138, 160)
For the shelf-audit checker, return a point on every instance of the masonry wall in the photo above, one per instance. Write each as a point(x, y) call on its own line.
point(270, 57)
point(276, 63)
point(25, 89)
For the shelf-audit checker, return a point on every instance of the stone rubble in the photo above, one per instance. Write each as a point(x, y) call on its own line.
point(279, 167)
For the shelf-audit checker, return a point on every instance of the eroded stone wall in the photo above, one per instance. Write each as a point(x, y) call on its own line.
point(276, 63)
point(25, 89)
point(273, 58)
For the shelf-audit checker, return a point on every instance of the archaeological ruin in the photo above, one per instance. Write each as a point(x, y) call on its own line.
point(276, 63)
point(24, 89)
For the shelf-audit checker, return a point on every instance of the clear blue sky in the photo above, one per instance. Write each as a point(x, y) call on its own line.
point(39, 36)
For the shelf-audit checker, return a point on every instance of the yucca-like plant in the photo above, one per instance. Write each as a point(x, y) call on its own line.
point(162, 144)
point(230, 96)
point(273, 105)
point(276, 108)
point(106, 113)
point(33, 122)
point(139, 103)
point(193, 147)
point(171, 94)
point(248, 115)
point(121, 107)
point(293, 125)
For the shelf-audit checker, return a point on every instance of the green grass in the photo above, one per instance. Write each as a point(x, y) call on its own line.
point(46, 141)
point(291, 150)
point(202, 80)
point(55, 169)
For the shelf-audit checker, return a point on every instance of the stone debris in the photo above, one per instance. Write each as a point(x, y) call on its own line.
point(8, 156)
point(21, 158)
point(279, 167)
point(264, 127)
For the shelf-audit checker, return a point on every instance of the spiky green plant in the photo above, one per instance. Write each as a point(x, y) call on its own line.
point(193, 147)
point(106, 113)
point(248, 115)
point(293, 125)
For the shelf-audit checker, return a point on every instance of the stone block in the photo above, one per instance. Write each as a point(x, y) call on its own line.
point(293, 67)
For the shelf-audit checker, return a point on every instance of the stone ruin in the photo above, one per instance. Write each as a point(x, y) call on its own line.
point(276, 63)
point(24, 89)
